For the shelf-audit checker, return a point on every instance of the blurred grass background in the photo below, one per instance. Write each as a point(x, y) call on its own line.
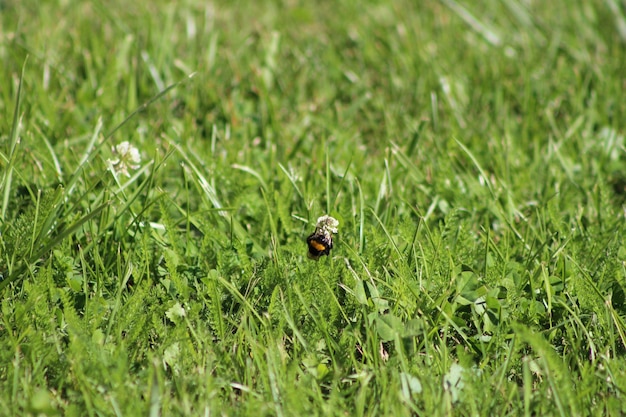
point(473, 153)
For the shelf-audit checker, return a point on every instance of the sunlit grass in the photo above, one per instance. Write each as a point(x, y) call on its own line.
point(471, 153)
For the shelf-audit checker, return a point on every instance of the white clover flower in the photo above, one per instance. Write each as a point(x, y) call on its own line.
point(327, 224)
point(127, 157)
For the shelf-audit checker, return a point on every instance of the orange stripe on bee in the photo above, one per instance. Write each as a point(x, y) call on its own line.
point(317, 245)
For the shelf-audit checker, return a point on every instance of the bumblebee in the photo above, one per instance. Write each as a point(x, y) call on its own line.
point(320, 244)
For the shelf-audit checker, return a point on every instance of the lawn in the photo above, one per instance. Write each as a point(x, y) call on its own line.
point(163, 163)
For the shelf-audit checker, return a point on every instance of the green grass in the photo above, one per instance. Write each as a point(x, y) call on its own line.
point(473, 153)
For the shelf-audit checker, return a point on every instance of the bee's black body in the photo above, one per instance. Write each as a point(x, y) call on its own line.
point(319, 245)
